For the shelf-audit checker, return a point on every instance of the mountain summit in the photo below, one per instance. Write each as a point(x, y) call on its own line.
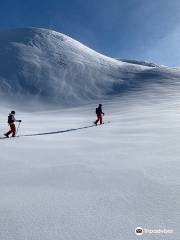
point(45, 65)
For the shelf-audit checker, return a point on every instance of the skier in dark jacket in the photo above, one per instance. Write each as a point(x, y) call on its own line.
point(11, 122)
point(99, 114)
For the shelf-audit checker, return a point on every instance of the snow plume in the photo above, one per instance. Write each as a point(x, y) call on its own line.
point(43, 65)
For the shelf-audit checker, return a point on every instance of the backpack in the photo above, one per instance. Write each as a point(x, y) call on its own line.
point(10, 119)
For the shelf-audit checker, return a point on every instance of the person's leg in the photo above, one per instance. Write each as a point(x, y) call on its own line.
point(7, 134)
point(97, 120)
point(13, 129)
point(100, 118)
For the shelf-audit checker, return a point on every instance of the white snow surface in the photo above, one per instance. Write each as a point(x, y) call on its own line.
point(66, 179)
point(39, 65)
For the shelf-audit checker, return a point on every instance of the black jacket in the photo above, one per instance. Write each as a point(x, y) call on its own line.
point(99, 111)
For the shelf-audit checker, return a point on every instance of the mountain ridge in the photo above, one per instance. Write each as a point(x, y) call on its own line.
point(43, 65)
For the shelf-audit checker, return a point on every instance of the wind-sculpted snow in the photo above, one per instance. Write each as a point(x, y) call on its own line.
point(39, 64)
point(143, 63)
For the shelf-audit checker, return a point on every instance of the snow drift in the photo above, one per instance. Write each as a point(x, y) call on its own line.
point(40, 64)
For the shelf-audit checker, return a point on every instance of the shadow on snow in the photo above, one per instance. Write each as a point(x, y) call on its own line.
point(56, 132)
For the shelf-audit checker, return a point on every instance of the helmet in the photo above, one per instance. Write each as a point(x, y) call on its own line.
point(13, 112)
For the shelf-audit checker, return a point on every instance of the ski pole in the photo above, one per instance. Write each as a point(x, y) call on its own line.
point(18, 128)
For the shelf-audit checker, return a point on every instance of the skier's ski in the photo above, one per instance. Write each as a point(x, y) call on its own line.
point(102, 123)
point(1, 138)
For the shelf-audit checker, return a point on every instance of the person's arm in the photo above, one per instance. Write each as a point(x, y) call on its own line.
point(102, 112)
point(14, 120)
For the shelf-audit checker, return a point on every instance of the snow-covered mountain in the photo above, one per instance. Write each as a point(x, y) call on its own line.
point(40, 64)
point(65, 178)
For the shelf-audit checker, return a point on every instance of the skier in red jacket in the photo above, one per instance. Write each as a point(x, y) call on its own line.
point(99, 114)
point(11, 122)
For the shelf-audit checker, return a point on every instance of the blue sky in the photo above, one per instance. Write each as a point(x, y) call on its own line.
point(132, 29)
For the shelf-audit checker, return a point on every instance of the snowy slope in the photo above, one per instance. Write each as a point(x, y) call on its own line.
point(95, 182)
point(39, 64)
point(76, 181)
point(46, 64)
